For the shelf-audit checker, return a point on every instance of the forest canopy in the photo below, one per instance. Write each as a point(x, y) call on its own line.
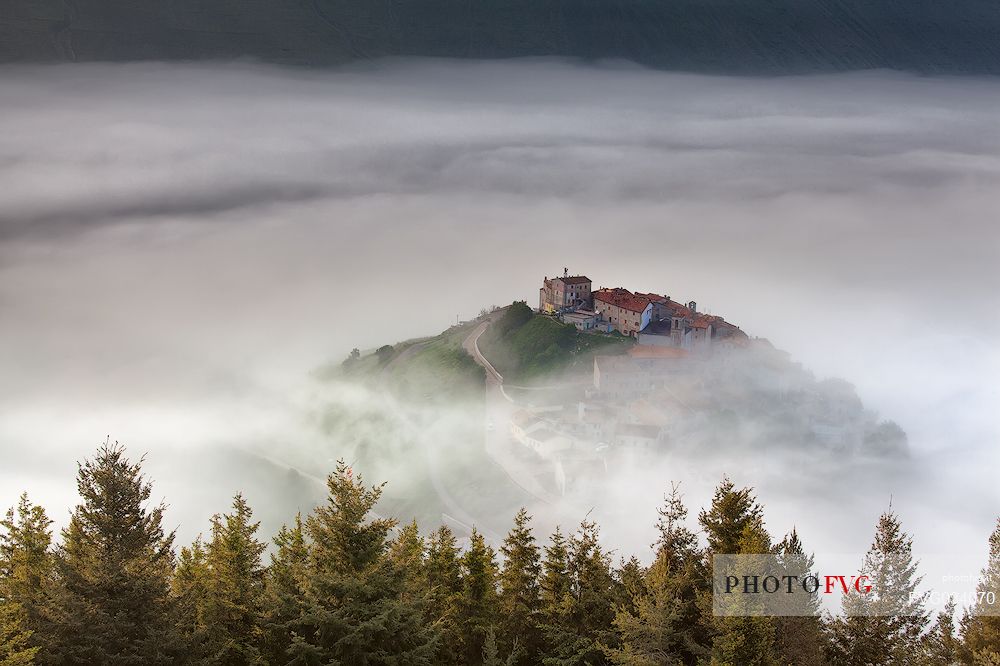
point(346, 585)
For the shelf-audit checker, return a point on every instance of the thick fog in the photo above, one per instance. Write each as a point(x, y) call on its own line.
point(181, 246)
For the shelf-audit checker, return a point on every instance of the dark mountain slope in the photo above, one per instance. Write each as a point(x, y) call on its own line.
point(737, 36)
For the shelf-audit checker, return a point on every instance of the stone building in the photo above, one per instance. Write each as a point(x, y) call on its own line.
point(677, 325)
point(584, 320)
point(629, 313)
point(568, 292)
point(651, 318)
point(670, 318)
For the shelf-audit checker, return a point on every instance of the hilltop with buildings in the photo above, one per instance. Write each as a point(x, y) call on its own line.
point(650, 318)
point(688, 380)
point(604, 377)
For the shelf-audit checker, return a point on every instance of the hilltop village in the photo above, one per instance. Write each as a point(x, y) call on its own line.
point(593, 380)
point(651, 318)
point(633, 406)
point(687, 378)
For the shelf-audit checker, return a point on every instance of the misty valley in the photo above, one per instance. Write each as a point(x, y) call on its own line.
point(393, 361)
point(579, 414)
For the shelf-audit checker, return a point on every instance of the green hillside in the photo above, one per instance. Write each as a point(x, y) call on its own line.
point(434, 369)
point(412, 413)
point(523, 345)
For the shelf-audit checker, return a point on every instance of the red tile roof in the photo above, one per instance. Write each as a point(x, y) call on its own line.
point(639, 301)
point(656, 298)
point(675, 308)
point(622, 298)
point(678, 310)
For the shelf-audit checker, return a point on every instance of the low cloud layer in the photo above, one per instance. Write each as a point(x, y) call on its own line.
point(180, 245)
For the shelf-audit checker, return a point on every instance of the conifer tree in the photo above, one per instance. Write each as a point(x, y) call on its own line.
point(663, 624)
point(26, 571)
point(478, 600)
point(986, 658)
point(733, 525)
point(520, 600)
point(284, 590)
point(981, 624)
point(112, 603)
point(590, 572)
point(581, 630)
point(15, 637)
point(189, 587)
point(746, 640)
point(799, 638)
point(407, 554)
point(234, 593)
point(491, 653)
point(554, 584)
point(728, 516)
point(941, 644)
point(884, 626)
point(442, 571)
point(354, 611)
point(630, 584)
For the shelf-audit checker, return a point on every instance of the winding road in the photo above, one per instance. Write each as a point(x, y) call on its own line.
point(499, 407)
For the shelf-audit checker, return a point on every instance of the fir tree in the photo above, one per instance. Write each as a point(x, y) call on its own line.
point(354, 611)
point(884, 626)
point(520, 600)
point(112, 602)
point(734, 524)
point(746, 640)
point(407, 554)
point(630, 584)
point(662, 625)
point(941, 644)
point(442, 571)
point(554, 584)
point(676, 545)
point(26, 570)
point(284, 590)
point(981, 624)
point(986, 658)
point(590, 572)
point(234, 592)
point(478, 600)
point(799, 638)
point(491, 653)
point(581, 631)
point(190, 590)
point(728, 516)
point(15, 637)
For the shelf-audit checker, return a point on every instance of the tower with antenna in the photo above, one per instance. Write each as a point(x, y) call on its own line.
point(563, 293)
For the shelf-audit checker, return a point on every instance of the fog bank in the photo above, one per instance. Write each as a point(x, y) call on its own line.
point(181, 245)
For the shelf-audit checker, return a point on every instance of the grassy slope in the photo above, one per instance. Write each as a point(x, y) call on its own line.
point(440, 388)
point(431, 369)
point(440, 367)
point(525, 346)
